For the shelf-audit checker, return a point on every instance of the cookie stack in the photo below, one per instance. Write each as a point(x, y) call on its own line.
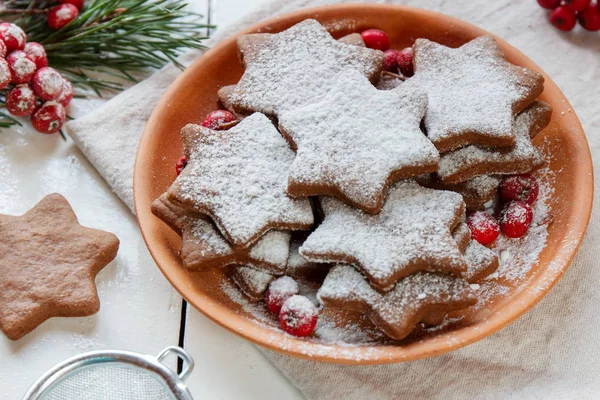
point(314, 132)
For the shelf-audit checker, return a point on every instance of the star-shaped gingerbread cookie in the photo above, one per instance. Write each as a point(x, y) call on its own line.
point(238, 177)
point(412, 233)
point(295, 67)
point(472, 161)
point(475, 192)
point(398, 311)
point(203, 247)
point(473, 92)
point(48, 263)
point(356, 141)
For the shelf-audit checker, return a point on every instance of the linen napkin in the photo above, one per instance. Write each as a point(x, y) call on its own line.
point(551, 352)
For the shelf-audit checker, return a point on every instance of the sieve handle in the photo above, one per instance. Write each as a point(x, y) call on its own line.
point(188, 361)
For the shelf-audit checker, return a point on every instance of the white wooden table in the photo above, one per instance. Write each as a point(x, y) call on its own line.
point(140, 310)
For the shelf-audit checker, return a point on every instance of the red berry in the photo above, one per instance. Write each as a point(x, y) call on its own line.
point(22, 67)
point(3, 49)
point(67, 93)
point(215, 119)
point(376, 39)
point(390, 60)
point(76, 3)
point(563, 18)
point(515, 219)
point(549, 4)
point(590, 18)
point(180, 165)
point(520, 187)
point(13, 37)
point(61, 15)
point(405, 62)
point(49, 118)
point(20, 100)
point(298, 316)
point(576, 5)
point(37, 53)
point(279, 291)
point(484, 228)
point(5, 74)
point(47, 83)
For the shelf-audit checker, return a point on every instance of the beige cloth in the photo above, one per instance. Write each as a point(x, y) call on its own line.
point(550, 353)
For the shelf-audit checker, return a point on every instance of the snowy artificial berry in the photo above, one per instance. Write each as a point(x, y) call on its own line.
point(47, 83)
point(298, 316)
point(590, 18)
point(549, 4)
point(37, 53)
point(49, 118)
point(61, 15)
point(76, 3)
point(405, 62)
point(563, 18)
point(215, 119)
point(484, 228)
point(390, 60)
point(22, 67)
point(13, 37)
point(180, 165)
point(520, 187)
point(20, 100)
point(515, 219)
point(576, 5)
point(3, 49)
point(279, 291)
point(67, 93)
point(376, 39)
point(5, 74)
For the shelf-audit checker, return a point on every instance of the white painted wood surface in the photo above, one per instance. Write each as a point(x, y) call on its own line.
point(140, 310)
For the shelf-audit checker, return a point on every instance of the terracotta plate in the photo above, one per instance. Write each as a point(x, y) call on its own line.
point(194, 94)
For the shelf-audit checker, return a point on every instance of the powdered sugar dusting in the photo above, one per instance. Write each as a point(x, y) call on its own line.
point(340, 146)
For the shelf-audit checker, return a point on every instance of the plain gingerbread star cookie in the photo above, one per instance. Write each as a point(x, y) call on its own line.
point(203, 247)
point(412, 233)
point(473, 92)
point(357, 141)
point(238, 177)
point(295, 67)
point(398, 311)
point(48, 263)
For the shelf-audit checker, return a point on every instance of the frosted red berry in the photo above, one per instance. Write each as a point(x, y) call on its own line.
point(590, 18)
point(61, 15)
point(515, 219)
point(47, 83)
point(36, 53)
point(484, 228)
point(3, 49)
point(563, 18)
point(76, 3)
point(67, 93)
point(520, 187)
point(180, 165)
point(279, 291)
point(20, 100)
point(13, 37)
point(390, 60)
point(576, 5)
point(405, 62)
point(5, 74)
point(49, 118)
point(549, 4)
point(22, 67)
point(217, 118)
point(298, 316)
point(376, 39)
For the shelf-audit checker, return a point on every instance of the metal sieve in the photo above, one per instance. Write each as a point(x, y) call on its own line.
point(113, 374)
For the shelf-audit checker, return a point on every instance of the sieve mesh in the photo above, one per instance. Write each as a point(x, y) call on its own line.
point(108, 382)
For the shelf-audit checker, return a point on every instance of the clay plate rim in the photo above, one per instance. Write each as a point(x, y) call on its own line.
point(521, 302)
